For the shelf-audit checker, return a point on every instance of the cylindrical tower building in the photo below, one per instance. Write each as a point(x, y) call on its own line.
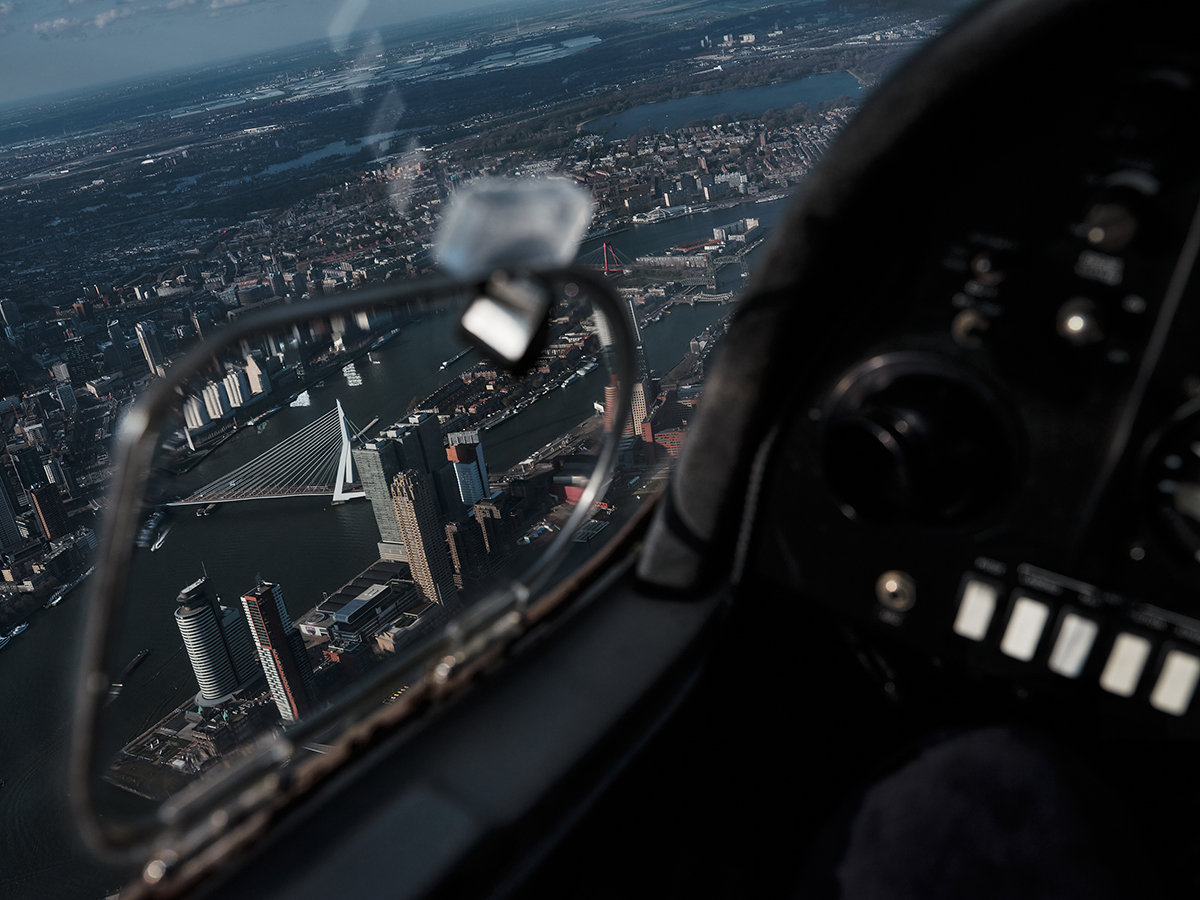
point(217, 642)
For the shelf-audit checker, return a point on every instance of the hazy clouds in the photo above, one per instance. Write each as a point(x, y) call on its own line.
point(71, 44)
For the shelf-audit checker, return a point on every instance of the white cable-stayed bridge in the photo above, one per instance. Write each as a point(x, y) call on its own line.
point(314, 461)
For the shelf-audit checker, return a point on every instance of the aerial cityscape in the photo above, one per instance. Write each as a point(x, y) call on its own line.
point(329, 494)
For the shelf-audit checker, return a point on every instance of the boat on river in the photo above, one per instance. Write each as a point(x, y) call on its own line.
point(146, 536)
point(452, 360)
point(159, 542)
point(660, 214)
point(135, 662)
point(63, 591)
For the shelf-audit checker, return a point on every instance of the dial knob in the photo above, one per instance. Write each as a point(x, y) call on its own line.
point(916, 440)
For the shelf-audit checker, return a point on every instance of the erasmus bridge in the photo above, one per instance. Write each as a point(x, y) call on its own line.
point(312, 462)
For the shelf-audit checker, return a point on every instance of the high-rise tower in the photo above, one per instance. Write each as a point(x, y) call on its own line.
point(218, 644)
point(641, 394)
point(10, 536)
point(120, 352)
point(280, 650)
point(378, 462)
point(470, 470)
point(51, 514)
point(417, 512)
point(148, 338)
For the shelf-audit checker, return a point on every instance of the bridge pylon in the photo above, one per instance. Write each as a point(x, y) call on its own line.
point(345, 464)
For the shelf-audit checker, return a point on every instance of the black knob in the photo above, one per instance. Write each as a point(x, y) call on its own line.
point(919, 444)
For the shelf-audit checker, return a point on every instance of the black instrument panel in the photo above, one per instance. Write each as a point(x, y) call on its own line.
point(993, 444)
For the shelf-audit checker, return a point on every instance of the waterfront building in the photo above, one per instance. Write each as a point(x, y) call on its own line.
point(148, 337)
point(195, 413)
point(50, 512)
point(424, 539)
point(280, 651)
point(429, 432)
point(237, 388)
point(218, 644)
point(378, 462)
point(470, 471)
point(216, 400)
point(379, 600)
point(260, 383)
point(414, 444)
point(359, 613)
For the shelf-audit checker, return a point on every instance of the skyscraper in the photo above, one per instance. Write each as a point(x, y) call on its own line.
point(378, 462)
point(117, 336)
point(50, 512)
point(28, 465)
point(10, 313)
point(466, 454)
point(148, 338)
point(80, 366)
point(641, 391)
point(280, 650)
point(607, 341)
point(429, 431)
point(9, 535)
point(643, 365)
point(66, 396)
point(218, 644)
point(415, 444)
point(424, 539)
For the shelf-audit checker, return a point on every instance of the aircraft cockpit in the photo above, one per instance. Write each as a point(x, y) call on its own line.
point(916, 614)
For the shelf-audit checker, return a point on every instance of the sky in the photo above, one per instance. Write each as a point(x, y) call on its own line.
point(50, 46)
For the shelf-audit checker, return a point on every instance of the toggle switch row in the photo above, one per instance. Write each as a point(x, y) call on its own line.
point(1074, 641)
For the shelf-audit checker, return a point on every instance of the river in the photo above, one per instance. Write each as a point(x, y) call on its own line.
point(810, 90)
point(307, 545)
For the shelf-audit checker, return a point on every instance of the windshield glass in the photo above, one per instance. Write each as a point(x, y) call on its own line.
point(169, 168)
